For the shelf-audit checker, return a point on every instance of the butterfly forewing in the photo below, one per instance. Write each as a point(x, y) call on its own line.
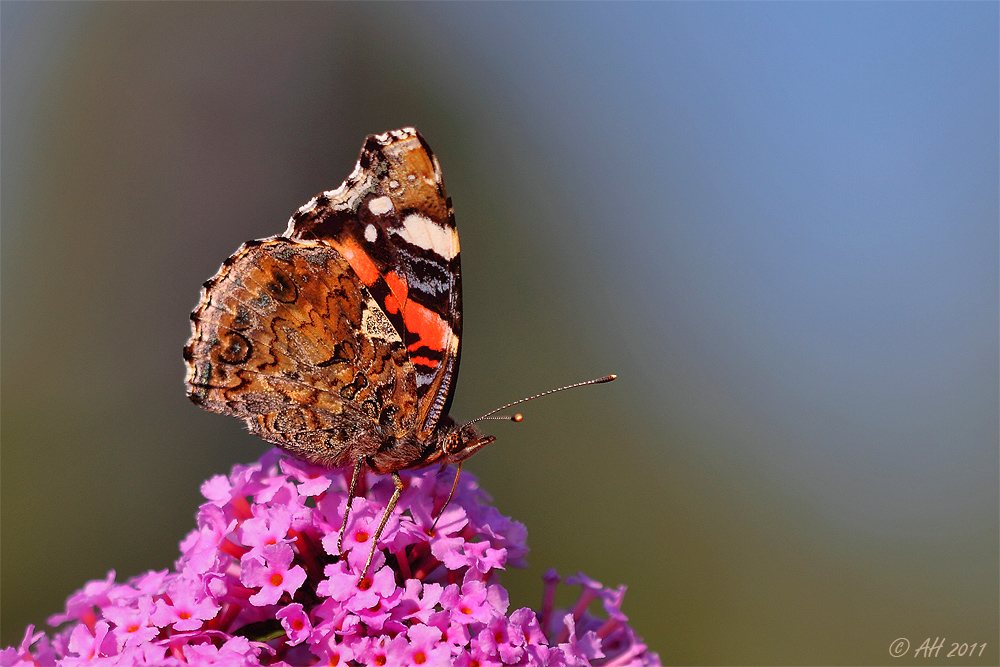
point(393, 222)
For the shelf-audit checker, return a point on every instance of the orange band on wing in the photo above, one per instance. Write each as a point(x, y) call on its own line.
point(432, 331)
point(359, 260)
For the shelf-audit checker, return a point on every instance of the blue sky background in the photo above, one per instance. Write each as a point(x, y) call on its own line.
point(777, 222)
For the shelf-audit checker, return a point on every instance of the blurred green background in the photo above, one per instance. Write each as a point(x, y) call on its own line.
point(778, 223)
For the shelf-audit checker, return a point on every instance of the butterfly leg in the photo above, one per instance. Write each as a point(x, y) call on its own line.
point(385, 517)
point(454, 485)
point(350, 499)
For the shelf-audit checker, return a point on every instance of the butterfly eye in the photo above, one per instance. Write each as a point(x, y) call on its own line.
point(452, 443)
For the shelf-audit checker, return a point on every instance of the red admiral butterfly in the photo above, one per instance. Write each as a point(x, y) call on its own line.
point(339, 340)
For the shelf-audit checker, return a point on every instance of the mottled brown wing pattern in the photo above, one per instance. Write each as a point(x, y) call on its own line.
point(393, 222)
point(289, 340)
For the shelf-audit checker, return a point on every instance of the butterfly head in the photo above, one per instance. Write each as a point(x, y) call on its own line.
point(462, 442)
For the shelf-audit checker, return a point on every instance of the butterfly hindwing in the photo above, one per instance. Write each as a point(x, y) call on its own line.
point(288, 340)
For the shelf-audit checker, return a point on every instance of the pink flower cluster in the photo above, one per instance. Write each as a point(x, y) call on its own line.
point(261, 582)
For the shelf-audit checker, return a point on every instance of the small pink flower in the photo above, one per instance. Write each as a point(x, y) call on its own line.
point(332, 651)
point(269, 525)
point(468, 604)
point(132, 624)
point(422, 648)
point(498, 639)
point(453, 635)
point(417, 602)
point(457, 553)
point(89, 645)
point(272, 571)
point(185, 606)
point(584, 649)
point(295, 622)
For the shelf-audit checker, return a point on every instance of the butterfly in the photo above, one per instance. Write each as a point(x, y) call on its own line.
point(339, 340)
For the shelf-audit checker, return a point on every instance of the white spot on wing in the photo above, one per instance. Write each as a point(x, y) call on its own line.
point(380, 205)
point(371, 233)
point(423, 232)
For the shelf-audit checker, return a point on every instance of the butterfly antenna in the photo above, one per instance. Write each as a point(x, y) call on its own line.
point(518, 417)
point(514, 418)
